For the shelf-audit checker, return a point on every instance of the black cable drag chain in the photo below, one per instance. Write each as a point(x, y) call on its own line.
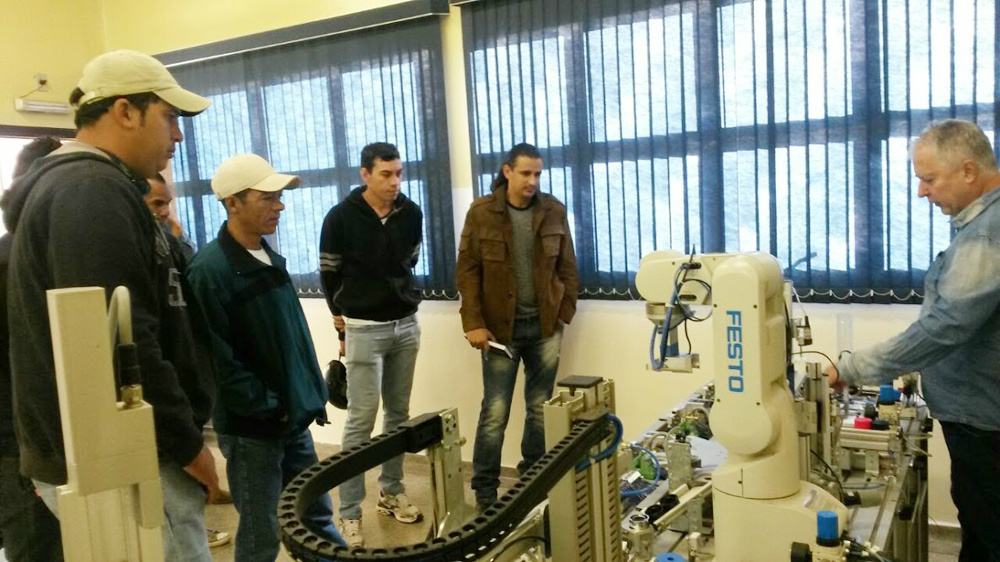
point(472, 540)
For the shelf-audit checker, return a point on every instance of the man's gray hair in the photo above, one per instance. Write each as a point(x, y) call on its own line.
point(954, 140)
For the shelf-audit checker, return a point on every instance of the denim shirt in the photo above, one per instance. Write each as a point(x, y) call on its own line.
point(955, 342)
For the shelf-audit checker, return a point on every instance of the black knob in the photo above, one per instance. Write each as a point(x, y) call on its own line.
point(801, 553)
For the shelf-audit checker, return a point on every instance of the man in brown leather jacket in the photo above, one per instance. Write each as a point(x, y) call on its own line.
point(517, 275)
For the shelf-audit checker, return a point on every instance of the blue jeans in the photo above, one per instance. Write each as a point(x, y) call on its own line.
point(29, 530)
point(258, 471)
point(183, 528)
point(541, 360)
point(184, 498)
point(975, 489)
point(380, 361)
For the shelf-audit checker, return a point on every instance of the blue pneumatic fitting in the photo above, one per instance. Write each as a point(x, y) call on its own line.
point(886, 394)
point(827, 528)
point(670, 557)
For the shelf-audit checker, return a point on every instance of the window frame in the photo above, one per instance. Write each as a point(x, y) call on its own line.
point(867, 124)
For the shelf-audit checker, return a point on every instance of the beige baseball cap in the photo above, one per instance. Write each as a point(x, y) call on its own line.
point(249, 171)
point(124, 72)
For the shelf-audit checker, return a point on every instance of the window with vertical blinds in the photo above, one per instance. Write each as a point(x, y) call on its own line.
point(309, 108)
point(780, 126)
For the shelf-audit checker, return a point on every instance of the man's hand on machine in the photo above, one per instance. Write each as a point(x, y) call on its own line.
point(202, 469)
point(833, 378)
point(479, 338)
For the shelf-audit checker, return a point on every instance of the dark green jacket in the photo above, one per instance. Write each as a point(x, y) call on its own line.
point(269, 383)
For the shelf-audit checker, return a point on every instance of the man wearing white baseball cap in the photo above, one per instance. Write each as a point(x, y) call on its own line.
point(86, 224)
point(270, 386)
point(122, 73)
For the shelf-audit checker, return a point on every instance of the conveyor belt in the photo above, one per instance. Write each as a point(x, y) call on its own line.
point(472, 540)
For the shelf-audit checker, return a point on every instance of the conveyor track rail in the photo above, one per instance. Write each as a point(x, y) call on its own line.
point(472, 540)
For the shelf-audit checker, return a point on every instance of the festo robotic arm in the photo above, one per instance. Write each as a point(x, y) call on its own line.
point(753, 414)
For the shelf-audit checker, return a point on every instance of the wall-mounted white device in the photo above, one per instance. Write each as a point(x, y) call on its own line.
point(36, 106)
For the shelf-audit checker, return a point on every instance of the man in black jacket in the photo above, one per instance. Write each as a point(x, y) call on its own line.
point(28, 530)
point(81, 221)
point(368, 248)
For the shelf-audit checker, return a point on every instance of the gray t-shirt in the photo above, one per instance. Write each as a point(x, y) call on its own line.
point(523, 250)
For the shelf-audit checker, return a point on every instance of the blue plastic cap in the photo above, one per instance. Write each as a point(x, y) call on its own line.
point(827, 527)
point(886, 394)
point(670, 557)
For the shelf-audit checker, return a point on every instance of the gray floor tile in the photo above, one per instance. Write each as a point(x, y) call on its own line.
point(379, 530)
point(943, 546)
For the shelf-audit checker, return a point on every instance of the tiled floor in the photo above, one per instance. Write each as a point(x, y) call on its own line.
point(383, 531)
point(379, 530)
point(944, 544)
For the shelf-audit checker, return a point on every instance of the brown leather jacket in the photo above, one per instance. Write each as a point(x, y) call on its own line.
point(485, 269)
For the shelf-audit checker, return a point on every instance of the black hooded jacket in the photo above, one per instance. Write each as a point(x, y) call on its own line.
point(8, 445)
point(366, 266)
point(78, 219)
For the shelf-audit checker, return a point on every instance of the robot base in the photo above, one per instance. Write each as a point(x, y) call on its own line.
point(748, 530)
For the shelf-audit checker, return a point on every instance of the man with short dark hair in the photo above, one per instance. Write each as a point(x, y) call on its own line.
point(161, 194)
point(158, 199)
point(29, 532)
point(85, 224)
point(269, 384)
point(39, 147)
point(516, 273)
point(368, 249)
point(955, 342)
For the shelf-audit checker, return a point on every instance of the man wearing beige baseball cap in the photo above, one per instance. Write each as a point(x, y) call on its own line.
point(86, 224)
point(270, 386)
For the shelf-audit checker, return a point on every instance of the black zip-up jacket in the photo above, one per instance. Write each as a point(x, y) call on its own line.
point(79, 220)
point(8, 444)
point(366, 267)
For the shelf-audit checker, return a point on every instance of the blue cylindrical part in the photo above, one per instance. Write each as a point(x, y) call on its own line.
point(827, 527)
point(670, 557)
point(886, 394)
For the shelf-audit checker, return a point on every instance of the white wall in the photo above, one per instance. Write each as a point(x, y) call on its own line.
point(609, 339)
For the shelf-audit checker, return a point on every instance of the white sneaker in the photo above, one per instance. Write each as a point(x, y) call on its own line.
point(350, 530)
point(398, 506)
point(217, 538)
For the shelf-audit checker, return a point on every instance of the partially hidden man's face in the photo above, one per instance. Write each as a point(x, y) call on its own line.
point(384, 179)
point(158, 200)
point(258, 212)
point(944, 184)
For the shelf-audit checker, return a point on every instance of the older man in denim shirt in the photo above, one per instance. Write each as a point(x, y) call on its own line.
point(955, 342)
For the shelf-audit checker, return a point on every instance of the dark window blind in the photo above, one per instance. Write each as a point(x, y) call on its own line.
point(309, 108)
point(780, 126)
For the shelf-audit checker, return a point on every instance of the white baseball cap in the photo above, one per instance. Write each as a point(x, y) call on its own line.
point(249, 171)
point(124, 72)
